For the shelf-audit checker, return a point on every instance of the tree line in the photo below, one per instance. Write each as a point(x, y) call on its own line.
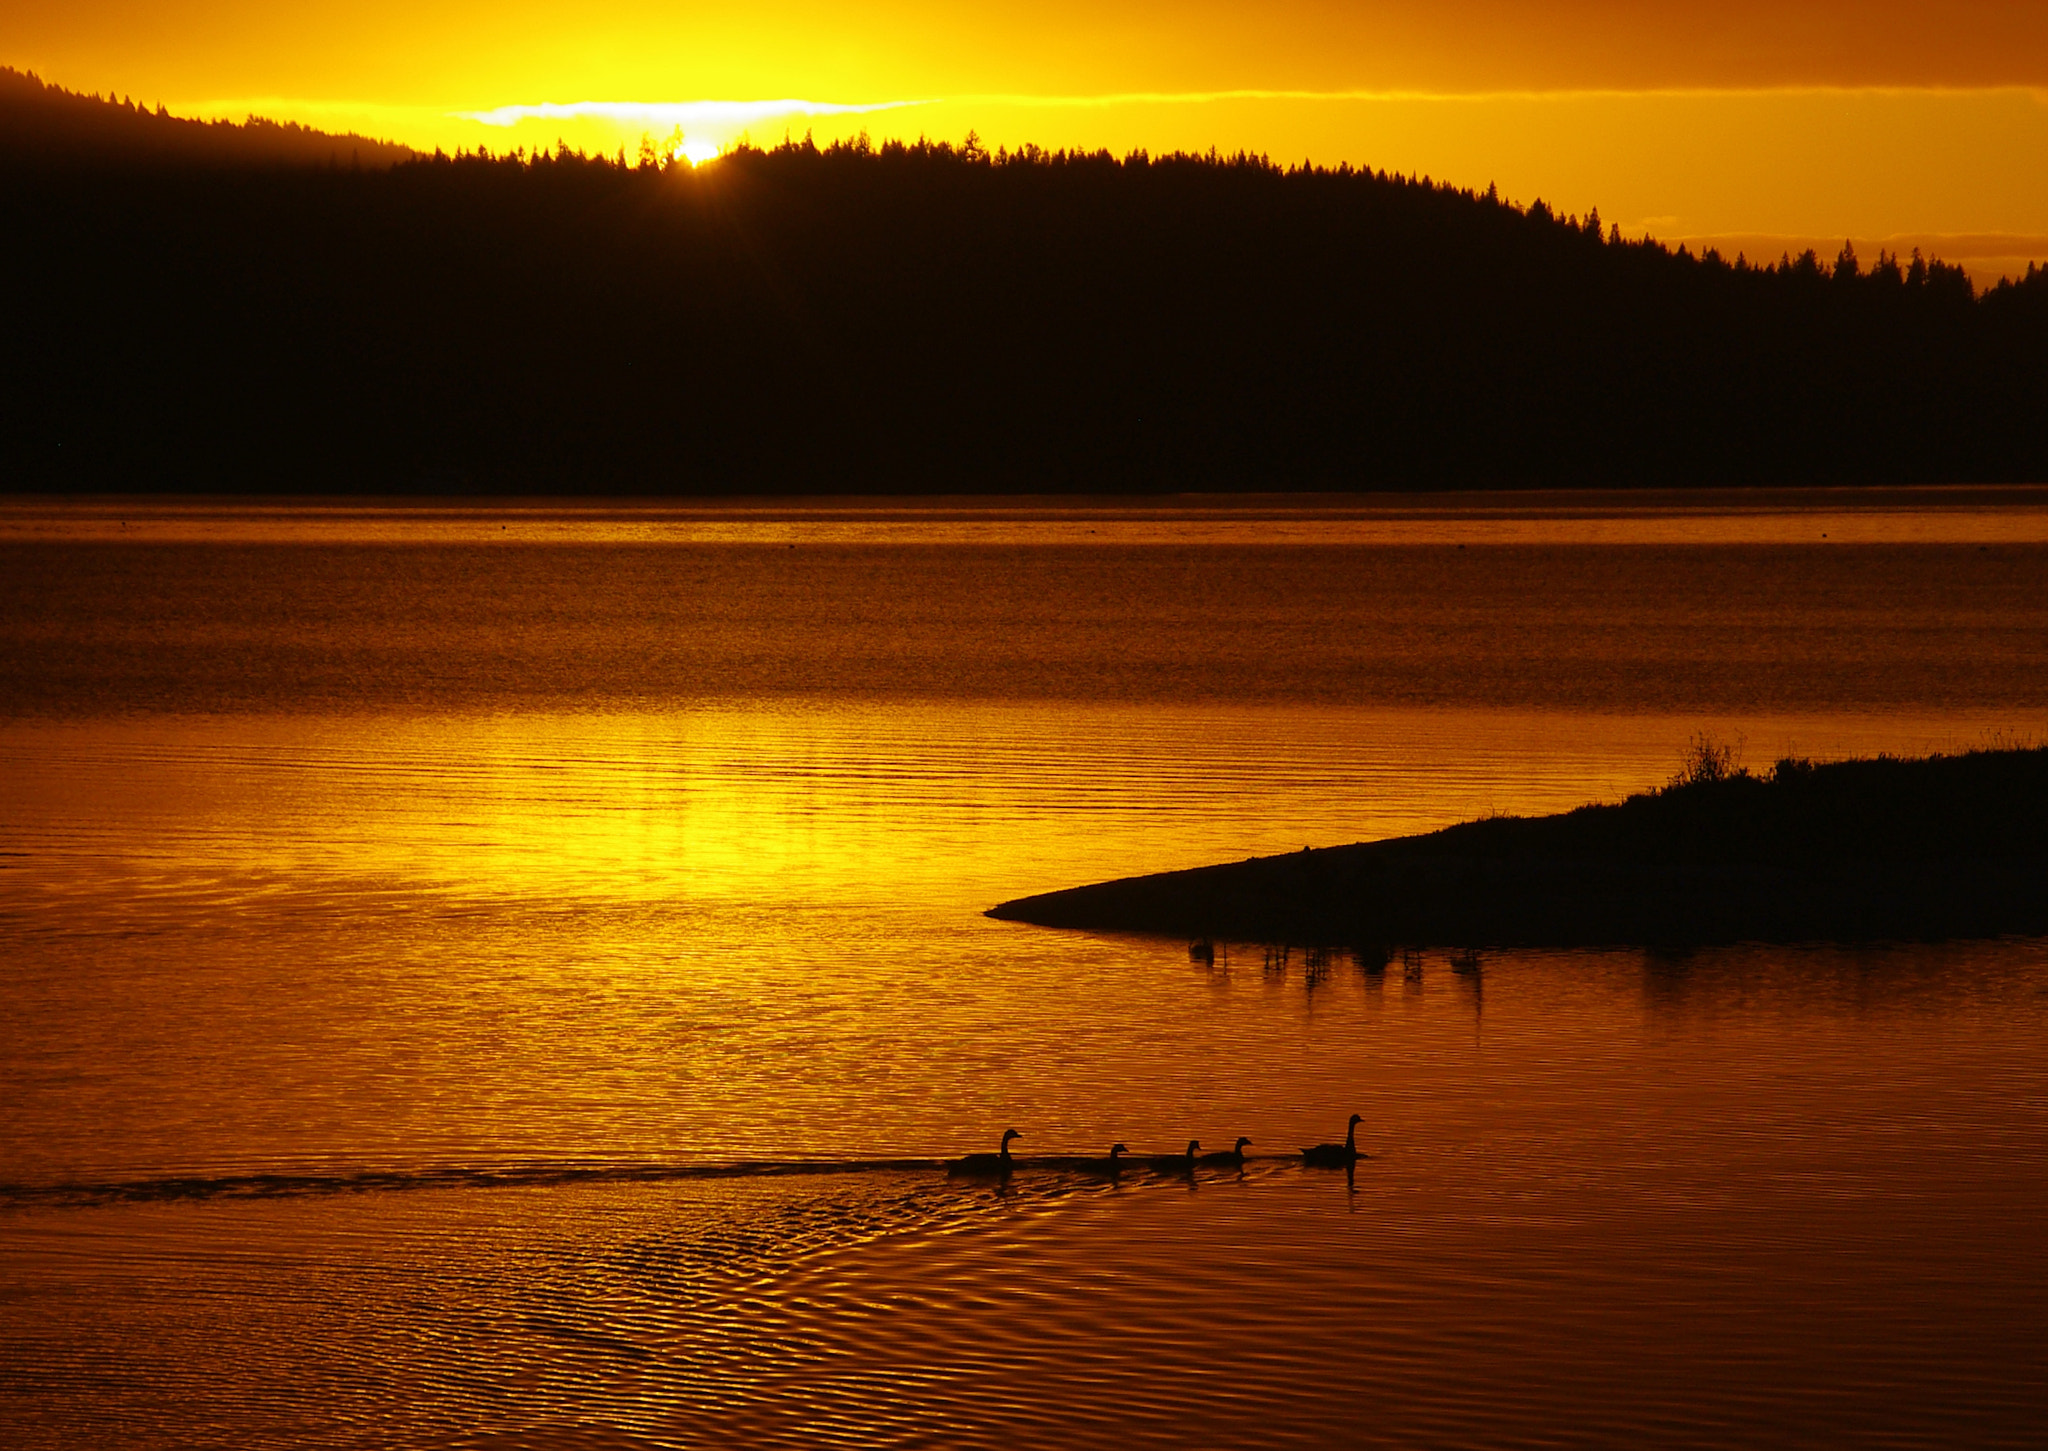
point(42, 125)
point(940, 317)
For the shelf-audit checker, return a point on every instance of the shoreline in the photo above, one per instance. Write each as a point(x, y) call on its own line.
point(1863, 850)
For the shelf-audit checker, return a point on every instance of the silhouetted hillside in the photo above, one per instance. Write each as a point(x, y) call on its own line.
point(1947, 846)
point(932, 317)
point(44, 125)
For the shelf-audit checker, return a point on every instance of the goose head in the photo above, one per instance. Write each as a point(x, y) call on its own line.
point(1239, 1146)
point(1116, 1150)
point(1009, 1134)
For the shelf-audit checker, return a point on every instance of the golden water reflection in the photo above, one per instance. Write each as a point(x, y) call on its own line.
point(390, 941)
point(952, 806)
point(360, 882)
point(1763, 1196)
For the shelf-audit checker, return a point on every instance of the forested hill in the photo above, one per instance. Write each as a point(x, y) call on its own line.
point(932, 317)
point(45, 125)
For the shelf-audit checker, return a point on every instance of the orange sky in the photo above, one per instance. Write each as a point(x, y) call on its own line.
point(1778, 122)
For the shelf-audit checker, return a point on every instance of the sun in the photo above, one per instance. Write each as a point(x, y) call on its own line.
point(676, 147)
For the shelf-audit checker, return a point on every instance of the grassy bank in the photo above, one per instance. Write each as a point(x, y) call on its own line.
point(1946, 846)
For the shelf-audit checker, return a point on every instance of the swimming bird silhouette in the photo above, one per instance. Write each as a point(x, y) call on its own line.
point(1112, 1166)
point(996, 1163)
point(1336, 1156)
point(1234, 1157)
point(1183, 1163)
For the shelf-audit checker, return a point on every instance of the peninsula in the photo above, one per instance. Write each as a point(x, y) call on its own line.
point(1858, 850)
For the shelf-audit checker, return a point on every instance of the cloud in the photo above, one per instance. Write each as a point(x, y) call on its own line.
point(741, 113)
point(1553, 93)
point(675, 113)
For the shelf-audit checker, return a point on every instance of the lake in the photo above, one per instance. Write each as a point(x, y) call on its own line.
point(502, 977)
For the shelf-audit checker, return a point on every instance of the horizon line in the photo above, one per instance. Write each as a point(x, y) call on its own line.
point(738, 109)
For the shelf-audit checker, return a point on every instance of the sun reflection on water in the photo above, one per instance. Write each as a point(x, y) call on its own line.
point(437, 941)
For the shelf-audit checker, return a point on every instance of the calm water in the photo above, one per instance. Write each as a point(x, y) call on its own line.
point(499, 979)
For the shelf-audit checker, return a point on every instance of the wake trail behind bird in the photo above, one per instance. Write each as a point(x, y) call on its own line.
point(289, 1185)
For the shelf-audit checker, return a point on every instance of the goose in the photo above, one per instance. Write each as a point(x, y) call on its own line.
point(1183, 1163)
point(996, 1163)
point(1112, 1166)
point(1336, 1156)
point(1233, 1156)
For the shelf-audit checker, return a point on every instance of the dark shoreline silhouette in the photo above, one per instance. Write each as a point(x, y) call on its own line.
point(1862, 850)
point(198, 313)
